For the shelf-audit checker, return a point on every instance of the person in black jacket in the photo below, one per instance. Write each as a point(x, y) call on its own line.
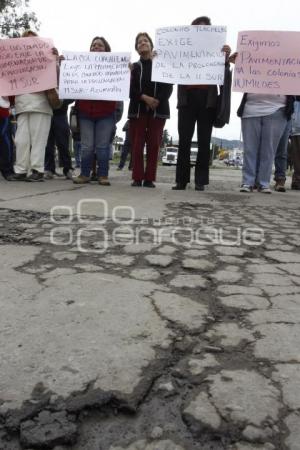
point(148, 111)
point(196, 104)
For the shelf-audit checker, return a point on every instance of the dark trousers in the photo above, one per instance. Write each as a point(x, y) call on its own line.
point(145, 130)
point(125, 150)
point(195, 111)
point(295, 156)
point(59, 135)
point(6, 147)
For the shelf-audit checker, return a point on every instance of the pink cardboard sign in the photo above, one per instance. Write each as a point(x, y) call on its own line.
point(26, 65)
point(268, 62)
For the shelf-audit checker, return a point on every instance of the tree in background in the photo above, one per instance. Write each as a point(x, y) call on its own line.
point(15, 17)
point(166, 139)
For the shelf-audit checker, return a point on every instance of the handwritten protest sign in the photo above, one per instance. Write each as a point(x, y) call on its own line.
point(26, 65)
point(95, 76)
point(268, 62)
point(189, 55)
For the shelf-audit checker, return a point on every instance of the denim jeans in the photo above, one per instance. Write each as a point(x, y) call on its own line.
point(77, 152)
point(95, 138)
point(261, 137)
point(281, 153)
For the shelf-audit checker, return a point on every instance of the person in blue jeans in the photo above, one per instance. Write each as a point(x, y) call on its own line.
point(77, 149)
point(281, 159)
point(264, 119)
point(97, 122)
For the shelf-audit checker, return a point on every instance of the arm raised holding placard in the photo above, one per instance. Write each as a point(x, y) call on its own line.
point(198, 104)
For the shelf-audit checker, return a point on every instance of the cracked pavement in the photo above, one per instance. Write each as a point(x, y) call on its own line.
point(178, 331)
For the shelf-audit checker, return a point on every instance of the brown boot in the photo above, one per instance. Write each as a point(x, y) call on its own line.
point(279, 186)
point(81, 179)
point(103, 181)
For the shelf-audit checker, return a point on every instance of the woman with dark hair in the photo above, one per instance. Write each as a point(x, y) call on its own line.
point(97, 122)
point(148, 111)
point(196, 104)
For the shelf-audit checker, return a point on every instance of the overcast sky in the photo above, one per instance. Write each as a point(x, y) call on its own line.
point(72, 27)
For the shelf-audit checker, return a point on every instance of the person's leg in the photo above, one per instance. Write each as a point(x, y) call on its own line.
point(295, 155)
point(186, 127)
point(138, 137)
point(153, 138)
point(281, 154)
point(23, 143)
point(251, 130)
point(6, 148)
point(50, 151)
point(205, 119)
point(39, 126)
point(103, 132)
point(87, 129)
point(272, 129)
point(62, 139)
point(77, 152)
point(125, 151)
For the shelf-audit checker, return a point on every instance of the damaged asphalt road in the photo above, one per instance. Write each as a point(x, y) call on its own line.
point(146, 338)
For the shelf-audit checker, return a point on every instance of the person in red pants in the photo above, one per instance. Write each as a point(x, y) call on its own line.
point(148, 111)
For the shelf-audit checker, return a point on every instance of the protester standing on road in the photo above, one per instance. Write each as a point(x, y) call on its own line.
point(196, 104)
point(264, 120)
point(97, 122)
point(59, 136)
point(33, 124)
point(148, 111)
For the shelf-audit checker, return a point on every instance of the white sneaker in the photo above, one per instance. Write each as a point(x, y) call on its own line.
point(264, 190)
point(246, 188)
point(69, 175)
point(48, 175)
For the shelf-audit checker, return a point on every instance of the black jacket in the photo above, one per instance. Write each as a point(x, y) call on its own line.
point(289, 106)
point(141, 83)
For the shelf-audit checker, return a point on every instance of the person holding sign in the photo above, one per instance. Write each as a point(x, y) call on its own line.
point(34, 115)
point(148, 111)
point(97, 122)
point(196, 104)
point(264, 120)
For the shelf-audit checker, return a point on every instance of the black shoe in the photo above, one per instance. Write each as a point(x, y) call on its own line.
point(35, 176)
point(179, 187)
point(94, 177)
point(16, 177)
point(119, 168)
point(295, 187)
point(199, 187)
point(149, 184)
point(8, 176)
point(136, 183)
